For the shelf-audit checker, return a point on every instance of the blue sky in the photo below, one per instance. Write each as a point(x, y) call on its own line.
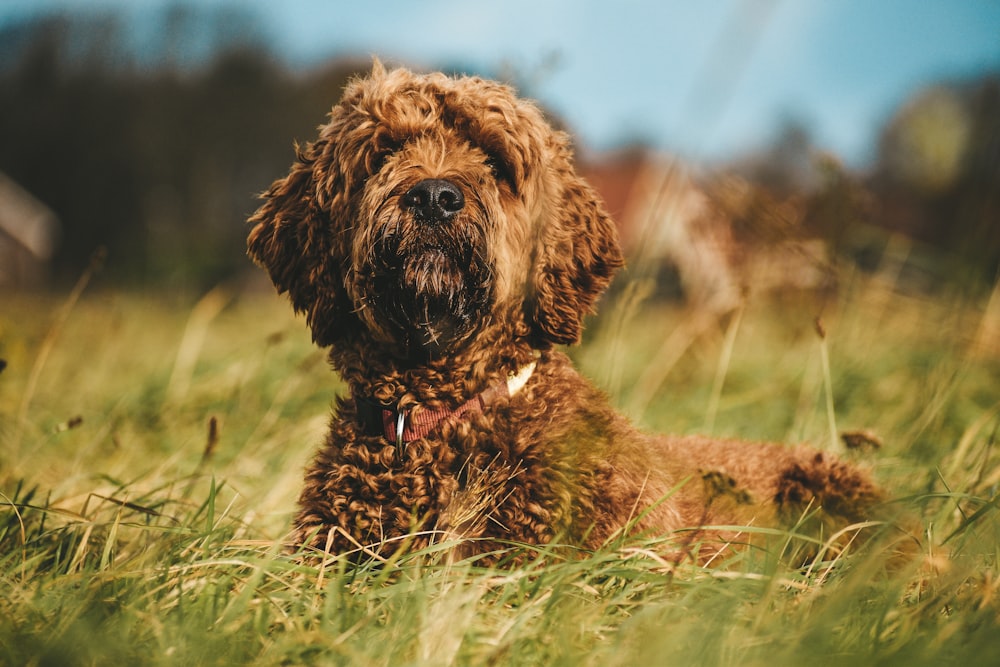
point(705, 79)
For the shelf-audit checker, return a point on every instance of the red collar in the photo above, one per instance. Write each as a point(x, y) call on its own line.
point(402, 427)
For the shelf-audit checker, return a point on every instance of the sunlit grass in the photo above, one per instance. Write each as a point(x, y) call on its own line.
point(149, 470)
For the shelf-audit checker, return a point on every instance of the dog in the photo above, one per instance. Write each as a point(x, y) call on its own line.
point(439, 241)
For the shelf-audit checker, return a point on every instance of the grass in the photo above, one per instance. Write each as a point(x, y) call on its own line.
point(151, 451)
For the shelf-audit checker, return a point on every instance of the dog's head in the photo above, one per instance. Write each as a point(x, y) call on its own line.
point(427, 205)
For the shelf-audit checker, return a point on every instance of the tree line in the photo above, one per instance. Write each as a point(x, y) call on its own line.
point(159, 161)
point(158, 165)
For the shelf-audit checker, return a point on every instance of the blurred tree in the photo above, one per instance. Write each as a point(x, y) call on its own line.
point(938, 172)
point(803, 192)
point(924, 144)
point(159, 164)
point(59, 134)
point(789, 165)
point(936, 179)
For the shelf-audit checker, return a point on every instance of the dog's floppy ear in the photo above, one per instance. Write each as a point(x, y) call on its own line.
point(576, 254)
point(292, 238)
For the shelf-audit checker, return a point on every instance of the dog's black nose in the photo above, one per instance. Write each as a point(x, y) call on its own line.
point(434, 200)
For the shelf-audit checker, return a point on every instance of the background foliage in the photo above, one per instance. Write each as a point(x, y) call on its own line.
point(159, 158)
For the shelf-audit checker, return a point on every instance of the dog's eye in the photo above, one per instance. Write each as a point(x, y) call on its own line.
point(376, 159)
point(383, 146)
point(501, 170)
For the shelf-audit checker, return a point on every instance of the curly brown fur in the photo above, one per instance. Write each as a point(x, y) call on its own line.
point(438, 240)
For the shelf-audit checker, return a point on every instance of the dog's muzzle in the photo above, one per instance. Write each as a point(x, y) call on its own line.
point(434, 200)
point(430, 282)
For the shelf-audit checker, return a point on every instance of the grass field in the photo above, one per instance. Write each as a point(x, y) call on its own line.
point(151, 451)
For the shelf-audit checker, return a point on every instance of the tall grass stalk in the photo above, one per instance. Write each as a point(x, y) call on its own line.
point(49, 341)
point(725, 359)
point(831, 414)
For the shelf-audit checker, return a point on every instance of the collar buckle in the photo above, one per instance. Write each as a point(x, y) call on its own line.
point(401, 414)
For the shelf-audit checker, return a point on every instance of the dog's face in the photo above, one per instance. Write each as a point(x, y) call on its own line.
point(427, 207)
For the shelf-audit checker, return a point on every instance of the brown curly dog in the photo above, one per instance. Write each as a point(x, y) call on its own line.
point(438, 240)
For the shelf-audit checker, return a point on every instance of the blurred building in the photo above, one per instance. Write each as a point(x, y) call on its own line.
point(28, 233)
point(720, 237)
